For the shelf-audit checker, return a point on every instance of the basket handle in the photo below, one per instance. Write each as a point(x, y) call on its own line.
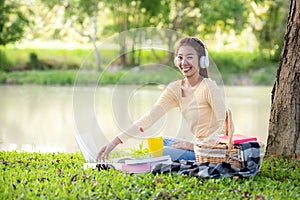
point(229, 129)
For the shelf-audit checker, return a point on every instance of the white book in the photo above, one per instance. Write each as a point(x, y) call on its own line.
point(136, 166)
point(164, 159)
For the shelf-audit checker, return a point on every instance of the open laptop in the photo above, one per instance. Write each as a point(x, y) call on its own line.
point(87, 147)
point(89, 151)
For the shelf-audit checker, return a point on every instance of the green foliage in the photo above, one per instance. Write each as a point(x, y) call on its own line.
point(20, 59)
point(81, 12)
point(69, 77)
point(61, 176)
point(58, 58)
point(2, 77)
point(140, 152)
point(12, 22)
point(233, 62)
point(264, 76)
point(271, 35)
point(129, 15)
point(229, 14)
point(34, 61)
point(61, 77)
point(232, 66)
point(87, 20)
point(153, 8)
point(4, 62)
point(141, 76)
point(237, 61)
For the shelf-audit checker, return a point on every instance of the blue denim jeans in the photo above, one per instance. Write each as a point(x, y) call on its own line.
point(175, 153)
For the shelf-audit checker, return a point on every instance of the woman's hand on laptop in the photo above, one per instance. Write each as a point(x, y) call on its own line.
point(105, 150)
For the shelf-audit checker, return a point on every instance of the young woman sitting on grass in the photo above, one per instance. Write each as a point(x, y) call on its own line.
point(196, 95)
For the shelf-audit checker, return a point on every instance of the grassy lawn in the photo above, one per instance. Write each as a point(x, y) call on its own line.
point(61, 176)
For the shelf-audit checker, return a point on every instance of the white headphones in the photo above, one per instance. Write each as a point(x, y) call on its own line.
point(204, 60)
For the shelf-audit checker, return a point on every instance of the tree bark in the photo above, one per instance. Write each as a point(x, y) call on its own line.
point(284, 124)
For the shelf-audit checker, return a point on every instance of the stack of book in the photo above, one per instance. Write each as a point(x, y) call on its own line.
point(237, 139)
point(133, 165)
point(143, 165)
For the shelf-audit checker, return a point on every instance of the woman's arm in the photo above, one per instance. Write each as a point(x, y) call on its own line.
point(183, 145)
point(166, 101)
point(105, 150)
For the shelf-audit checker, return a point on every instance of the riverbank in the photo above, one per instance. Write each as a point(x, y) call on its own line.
point(61, 66)
point(61, 176)
point(263, 76)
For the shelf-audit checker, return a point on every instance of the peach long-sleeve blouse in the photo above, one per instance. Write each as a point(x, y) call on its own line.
point(204, 111)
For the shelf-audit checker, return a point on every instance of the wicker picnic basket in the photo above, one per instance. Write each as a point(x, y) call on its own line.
point(220, 152)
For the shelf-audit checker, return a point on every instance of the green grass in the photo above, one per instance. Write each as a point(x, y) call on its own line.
point(239, 68)
point(265, 76)
point(60, 66)
point(68, 58)
point(61, 176)
point(86, 77)
point(230, 61)
point(19, 56)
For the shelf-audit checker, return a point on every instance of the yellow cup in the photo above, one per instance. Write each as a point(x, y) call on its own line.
point(155, 146)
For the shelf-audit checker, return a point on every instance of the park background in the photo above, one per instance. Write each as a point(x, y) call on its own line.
point(47, 55)
point(244, 38)
point(49, 47)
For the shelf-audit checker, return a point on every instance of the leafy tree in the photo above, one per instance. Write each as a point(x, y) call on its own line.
point(84, 12)
point(229, 14)
point(79, 16)
point(48, 21)
point(270, 34)
point(186, 17)
point(130, 14)
point(12, 22)
point(205, 17)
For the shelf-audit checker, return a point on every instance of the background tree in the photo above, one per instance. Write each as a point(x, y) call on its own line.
point(131, 14)
point(85, 12)
point(47, 20)
point(199, 18)
point(12, 25)
point(284, 125)
point(80, 16)
point(88, 21)
point(270, 34)
point(12, 22)
point(227, 15)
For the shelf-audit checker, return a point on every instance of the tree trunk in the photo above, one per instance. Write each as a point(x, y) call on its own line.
point(284, 124)
point(94, 37)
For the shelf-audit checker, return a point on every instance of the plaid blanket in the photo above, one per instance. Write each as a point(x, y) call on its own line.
point(250, 153)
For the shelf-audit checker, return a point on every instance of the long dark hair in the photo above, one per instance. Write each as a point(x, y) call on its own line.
point(198, 46)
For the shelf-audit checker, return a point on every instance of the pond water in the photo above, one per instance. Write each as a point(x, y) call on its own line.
point(47, 118)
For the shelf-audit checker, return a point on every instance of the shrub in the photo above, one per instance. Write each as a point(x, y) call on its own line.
point(4, 62)
point(34, 61)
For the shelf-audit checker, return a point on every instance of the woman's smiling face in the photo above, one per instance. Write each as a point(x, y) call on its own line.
point(187, 61)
